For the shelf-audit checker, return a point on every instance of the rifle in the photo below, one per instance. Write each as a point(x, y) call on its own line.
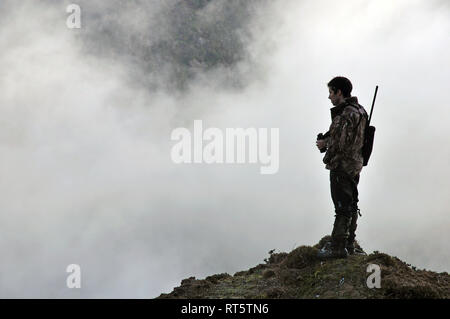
point(373, 103)
point(369, 134)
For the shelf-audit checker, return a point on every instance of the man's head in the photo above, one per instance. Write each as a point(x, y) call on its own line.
point(339, 88)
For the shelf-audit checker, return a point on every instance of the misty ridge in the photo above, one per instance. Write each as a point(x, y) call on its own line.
point(166, 44)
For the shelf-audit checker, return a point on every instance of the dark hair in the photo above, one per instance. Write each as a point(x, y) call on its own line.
point(341, 83)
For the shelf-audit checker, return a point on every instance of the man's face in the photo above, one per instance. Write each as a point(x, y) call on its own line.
point(335, 97)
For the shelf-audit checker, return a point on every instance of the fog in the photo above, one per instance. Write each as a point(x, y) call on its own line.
point(86, 117)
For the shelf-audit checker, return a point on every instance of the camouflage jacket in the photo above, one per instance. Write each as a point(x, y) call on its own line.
point(346, 137)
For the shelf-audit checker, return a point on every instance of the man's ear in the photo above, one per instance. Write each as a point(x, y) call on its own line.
point(339, 92)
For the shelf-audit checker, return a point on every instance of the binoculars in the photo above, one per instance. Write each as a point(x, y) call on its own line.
point(321, 136)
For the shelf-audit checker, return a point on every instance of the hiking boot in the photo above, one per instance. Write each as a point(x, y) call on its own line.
point(352, 249)
point(336, 249)
point(352, 228)
point(333, 250)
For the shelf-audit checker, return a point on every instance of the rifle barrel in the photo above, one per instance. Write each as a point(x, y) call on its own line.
point(373, 103)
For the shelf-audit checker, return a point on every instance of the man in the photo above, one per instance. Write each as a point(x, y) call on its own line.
point(343, 144)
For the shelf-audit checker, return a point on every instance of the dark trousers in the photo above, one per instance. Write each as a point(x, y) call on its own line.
point(344, 192)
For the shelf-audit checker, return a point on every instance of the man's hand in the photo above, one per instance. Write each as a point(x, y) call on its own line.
point(321, 144)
